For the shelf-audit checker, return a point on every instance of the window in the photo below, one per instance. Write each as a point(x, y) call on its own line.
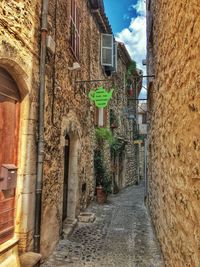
point(75, 29)
point(107, 50)
point(144, 118)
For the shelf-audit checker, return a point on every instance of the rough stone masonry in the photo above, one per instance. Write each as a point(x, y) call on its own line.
point(174, 128)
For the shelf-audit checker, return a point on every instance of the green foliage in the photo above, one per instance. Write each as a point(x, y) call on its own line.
point(117, 146)
point(104, 134)
point(102, 177)
point(130, 71)
point(107, 184)
point(99, 166)
point(131, 68)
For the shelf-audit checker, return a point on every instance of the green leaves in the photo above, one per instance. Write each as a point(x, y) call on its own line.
point(102, 177)
point(104, 134)
point(117, 146)
point(131, 68)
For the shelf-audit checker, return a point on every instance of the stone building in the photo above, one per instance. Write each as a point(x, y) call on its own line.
point(142, 119)
point(174, 129)
point(19, 82)
point(47, 121)
point(69, 115)
point(123, 121)
point(142, 124)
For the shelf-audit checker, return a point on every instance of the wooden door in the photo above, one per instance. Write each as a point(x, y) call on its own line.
point(66, 175)
point(9, 131)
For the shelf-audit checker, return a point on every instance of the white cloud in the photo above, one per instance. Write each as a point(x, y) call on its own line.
point(140, 7)
point(134, 37)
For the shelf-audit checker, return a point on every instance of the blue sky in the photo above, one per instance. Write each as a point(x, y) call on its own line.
point(128, 21)
point(120, 13)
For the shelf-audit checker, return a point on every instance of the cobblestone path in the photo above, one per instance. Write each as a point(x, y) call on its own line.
point(121, 236)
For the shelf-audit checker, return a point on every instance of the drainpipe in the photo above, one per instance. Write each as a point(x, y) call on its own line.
point(137, 127)
point(145, 171)
point(40, 145)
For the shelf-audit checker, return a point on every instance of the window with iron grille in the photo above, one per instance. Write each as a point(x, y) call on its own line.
point(75, 29)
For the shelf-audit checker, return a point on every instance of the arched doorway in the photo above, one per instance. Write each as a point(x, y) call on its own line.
point(66, 176)
point(70, 184)
point(9, 135)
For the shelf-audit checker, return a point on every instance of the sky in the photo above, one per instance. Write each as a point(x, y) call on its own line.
point(128, 21)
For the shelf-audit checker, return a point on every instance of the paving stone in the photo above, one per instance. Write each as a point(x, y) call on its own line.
point(121, 236)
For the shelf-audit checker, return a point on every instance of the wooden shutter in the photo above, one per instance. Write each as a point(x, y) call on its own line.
point(77, 32)
point(115, 55)
point(75, 29)
point(105, 118)
point(72, 25)
point(107, 50)
point(96, 116)
point(8, 87)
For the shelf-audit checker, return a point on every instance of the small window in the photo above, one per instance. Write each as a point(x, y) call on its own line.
point(107, 48)
point(75, 29)
point(144, 118)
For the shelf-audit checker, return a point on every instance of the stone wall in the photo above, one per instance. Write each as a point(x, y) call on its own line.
point(126, 165)
point(68, 111)
point(174, 131)
point(19, 49)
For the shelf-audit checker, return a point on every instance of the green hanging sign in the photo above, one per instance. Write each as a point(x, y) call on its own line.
point(100, 97)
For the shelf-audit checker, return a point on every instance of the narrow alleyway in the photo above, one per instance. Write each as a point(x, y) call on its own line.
point(121, 236)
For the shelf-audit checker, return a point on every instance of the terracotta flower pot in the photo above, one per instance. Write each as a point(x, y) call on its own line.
point(113, 126)
point(101, 195)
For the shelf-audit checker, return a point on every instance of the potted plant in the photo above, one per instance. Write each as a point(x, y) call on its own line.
point(103, 189)
point(103, 185)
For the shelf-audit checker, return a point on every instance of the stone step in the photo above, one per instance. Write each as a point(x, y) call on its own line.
point(30, 259)
point(69, 226)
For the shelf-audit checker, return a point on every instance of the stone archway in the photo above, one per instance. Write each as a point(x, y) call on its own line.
point(24, 216)
point(18, 74)
point(9, 133)
point(73, 177)
point(71, 127)
point(15, 77)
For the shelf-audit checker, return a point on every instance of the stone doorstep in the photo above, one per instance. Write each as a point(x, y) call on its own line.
point(86, 217)
point(30, 259)
point(69, 226)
